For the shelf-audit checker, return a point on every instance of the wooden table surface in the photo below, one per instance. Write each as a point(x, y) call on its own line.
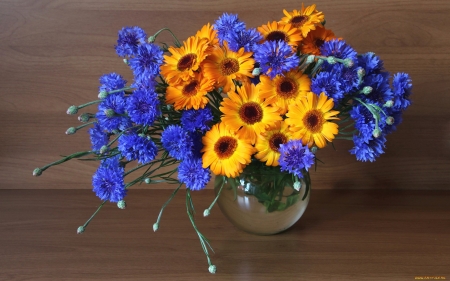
point(344, 235)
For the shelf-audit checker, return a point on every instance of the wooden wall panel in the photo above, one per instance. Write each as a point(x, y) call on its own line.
point(52, 53)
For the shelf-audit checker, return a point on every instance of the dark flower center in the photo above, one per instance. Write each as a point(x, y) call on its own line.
point(186, 62)
point(287, 88)
point(318, 42)
point(276, 36)
point(225, 147)
point(298, 20)
point(229, 66)
point(251, 112)
point(276, 140)
point(190, 89)
point(313, 120)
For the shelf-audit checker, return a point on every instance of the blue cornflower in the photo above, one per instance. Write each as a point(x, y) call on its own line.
point(348, 77)
point(146, 63)
point(129, 40)
point(330, 84)
point(275, 57)
point(371, 63)
point(108, 180)
point(228, 24)
point(247, 39)
point(135, 147)
point(145, 84)
point(111, 81)
point(177, 142)
point(197, 144)
point(98, 137)
point(110, 115)
point(402, 90)
point(368, 150)
point(381, 90)
point(193, 120)
point(294, 157)
point(338, 49)
point(364, 121)
point(192, 174)
point(143, 107)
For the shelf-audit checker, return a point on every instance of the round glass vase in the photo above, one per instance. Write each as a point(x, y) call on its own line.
point(263, 203)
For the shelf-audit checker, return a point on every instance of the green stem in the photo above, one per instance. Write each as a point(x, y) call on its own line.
point(93, 215)
point(203, 241)
point(67, 158)
point(173, 35)
point(167, 203)
point(217, 197)
point(84, 125)
point(88, 104)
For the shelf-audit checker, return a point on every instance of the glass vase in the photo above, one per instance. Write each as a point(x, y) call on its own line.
point(263, 202)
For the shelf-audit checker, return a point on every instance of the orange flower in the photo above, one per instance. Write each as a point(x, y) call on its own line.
point(284, 89)
point(184, 61)
point(224, 66)
point(210, 34)
point(308, 118)
point(269, 142)
point(305, 19)
point(190, 94)
point(278, 31)
point(315, 39)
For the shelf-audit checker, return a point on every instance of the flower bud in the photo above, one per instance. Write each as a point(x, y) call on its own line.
point(297, 185)
point(71, 131)
point(103, 149)
point(376, 133)
point(361, 72)
point(84, 117)
point(367, 90)
point(389, 103)
point(206, 212)
point(80, 229)
point(348, 63)
point(169, 107)
point(125, 61)
point(148, 180)
point(314, 149)
point(37, 172)
point(390, 120)
point(109, 112)
point(102, 94)
point(310, 59)
point(256, 71)
point(212, 269)
point(121, 204)
point(72, 110)
point(155, 226)
point(331, 60)
point(151, 39)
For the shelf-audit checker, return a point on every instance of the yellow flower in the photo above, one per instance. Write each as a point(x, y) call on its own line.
point(184, 61)
point(284, 89)
point(247, 113)
point(308, 118)
point(315, 39)
point(305, 19)
point(190, 94)
point(224, 152)
point(268, 143)
point(224, 66)
point(279, 31)
point(210, 34)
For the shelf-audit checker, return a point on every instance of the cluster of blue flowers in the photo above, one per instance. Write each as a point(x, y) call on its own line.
point(120, 113)
point(377, 107)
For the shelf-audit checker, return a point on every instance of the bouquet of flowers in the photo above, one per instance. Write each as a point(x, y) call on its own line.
point(231, 99)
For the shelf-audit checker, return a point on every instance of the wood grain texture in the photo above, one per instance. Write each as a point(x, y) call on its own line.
point(53, 51)
point(343, 235)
